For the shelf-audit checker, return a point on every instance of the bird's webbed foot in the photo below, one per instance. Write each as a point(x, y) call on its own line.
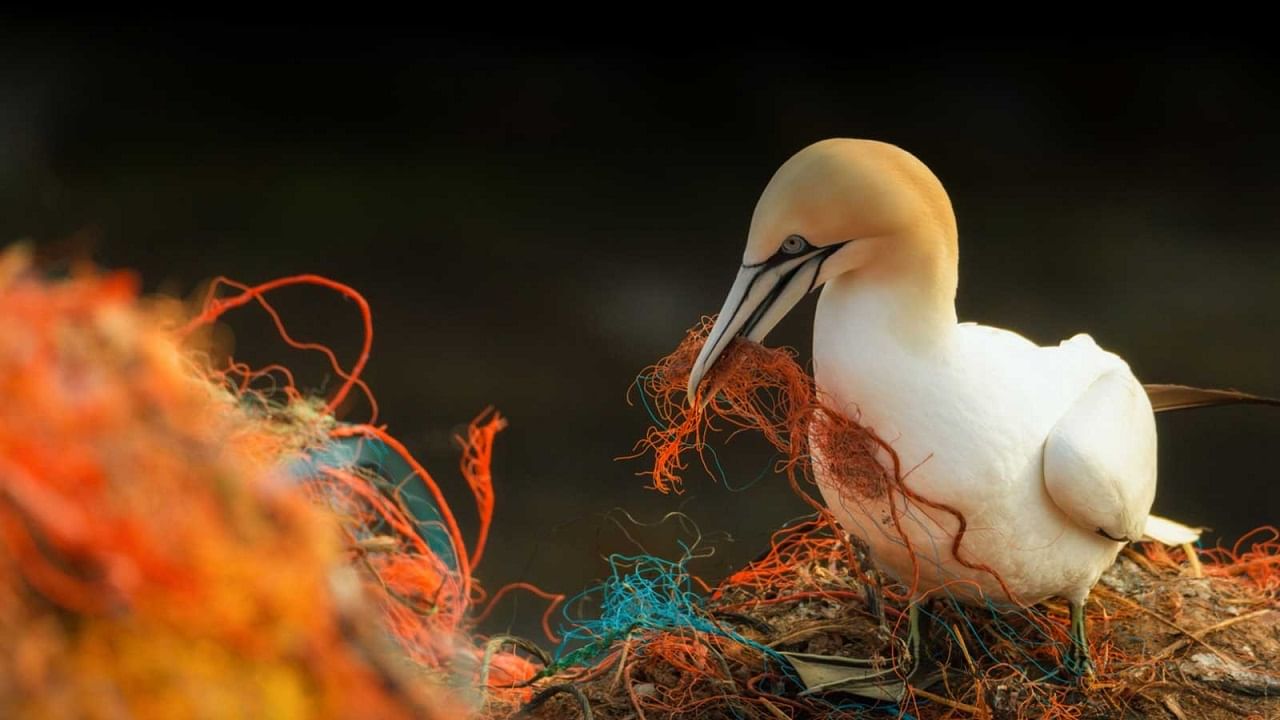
point(869, 579)
point(1078, 660)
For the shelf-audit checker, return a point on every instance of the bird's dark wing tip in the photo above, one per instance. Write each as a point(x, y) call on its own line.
point(1167, 398)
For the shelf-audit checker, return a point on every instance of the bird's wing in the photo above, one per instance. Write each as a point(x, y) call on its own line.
point(1100, 458)
point(1165, 398)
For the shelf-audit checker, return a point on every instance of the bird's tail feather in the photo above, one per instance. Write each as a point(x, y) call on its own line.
point(1169, 532)
point(1166, 398)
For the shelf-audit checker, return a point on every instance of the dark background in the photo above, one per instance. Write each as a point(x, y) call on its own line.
point(534, 225)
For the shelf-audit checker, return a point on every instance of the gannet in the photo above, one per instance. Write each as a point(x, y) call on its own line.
point(1049, 452)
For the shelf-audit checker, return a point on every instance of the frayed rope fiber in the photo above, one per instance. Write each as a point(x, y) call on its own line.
point(178, 540)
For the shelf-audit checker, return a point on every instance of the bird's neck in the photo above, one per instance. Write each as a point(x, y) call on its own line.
point(915, 310)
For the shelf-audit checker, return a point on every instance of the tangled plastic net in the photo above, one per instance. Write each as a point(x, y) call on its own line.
point(180, 540)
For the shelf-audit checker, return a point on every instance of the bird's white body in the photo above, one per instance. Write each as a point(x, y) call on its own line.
point(1038, 447)
point(1048, 453)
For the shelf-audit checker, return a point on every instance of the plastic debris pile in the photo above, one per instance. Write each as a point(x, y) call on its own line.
point(1164, 634)
point(183, 541)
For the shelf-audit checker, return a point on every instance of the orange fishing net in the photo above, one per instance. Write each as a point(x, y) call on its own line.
point(157, 559)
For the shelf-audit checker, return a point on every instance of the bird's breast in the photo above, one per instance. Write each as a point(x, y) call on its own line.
point(969, 408)
point(967, 415)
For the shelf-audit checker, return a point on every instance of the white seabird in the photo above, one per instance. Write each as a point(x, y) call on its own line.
point(1049, 452)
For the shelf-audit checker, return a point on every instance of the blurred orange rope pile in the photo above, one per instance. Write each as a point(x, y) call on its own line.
point(158, 560)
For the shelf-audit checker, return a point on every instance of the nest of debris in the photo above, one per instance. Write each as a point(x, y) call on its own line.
point(1172, 635)
point(180, 538)
point(1177, 632)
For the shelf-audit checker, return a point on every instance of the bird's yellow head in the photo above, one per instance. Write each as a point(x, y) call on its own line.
point(837, 207)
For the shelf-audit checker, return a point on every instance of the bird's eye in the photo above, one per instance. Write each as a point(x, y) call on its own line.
point(794, 244)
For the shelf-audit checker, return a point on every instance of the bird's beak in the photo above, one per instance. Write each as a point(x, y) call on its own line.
point(761, 295)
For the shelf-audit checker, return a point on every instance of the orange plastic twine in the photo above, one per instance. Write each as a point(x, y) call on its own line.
point(152, 564)
point(156, 543)
point(426, 602)
point(215, 307)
